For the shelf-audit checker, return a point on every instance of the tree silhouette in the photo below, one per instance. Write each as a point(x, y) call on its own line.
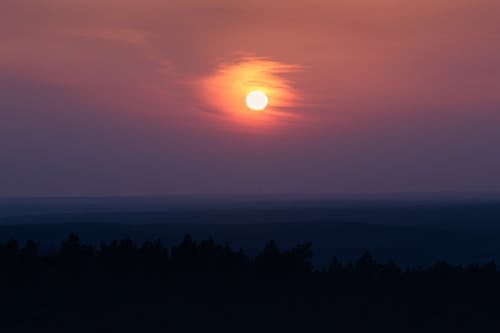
point(207, 280)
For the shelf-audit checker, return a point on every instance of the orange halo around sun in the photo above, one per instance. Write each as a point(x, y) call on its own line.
point(236, 90)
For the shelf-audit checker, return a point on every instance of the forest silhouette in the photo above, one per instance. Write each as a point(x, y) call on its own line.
point(205, 286)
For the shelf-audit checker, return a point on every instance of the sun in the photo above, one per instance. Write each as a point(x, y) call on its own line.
point(256, 100)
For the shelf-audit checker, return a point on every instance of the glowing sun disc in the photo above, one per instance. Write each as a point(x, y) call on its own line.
point(256, 100)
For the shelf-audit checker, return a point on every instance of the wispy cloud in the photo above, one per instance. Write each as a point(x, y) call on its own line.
point(223, 91)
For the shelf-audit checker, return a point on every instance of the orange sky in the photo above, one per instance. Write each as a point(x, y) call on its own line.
point(359, 76)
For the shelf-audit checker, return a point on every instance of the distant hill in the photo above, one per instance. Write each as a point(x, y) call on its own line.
point(452, 215)
point(412, 233)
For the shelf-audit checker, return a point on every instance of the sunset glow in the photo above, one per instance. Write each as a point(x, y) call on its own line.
point(255, 81)
point(150, 97)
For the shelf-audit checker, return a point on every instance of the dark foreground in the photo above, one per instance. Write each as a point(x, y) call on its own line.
point(206, 287)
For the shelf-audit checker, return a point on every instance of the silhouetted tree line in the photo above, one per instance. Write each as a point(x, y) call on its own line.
point(205, 256)
point(152, 256)
point(196, 285)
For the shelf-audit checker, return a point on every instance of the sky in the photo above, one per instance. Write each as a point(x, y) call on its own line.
point(125, 97)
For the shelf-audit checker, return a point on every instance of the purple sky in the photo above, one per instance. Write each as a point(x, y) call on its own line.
point(122, 97)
